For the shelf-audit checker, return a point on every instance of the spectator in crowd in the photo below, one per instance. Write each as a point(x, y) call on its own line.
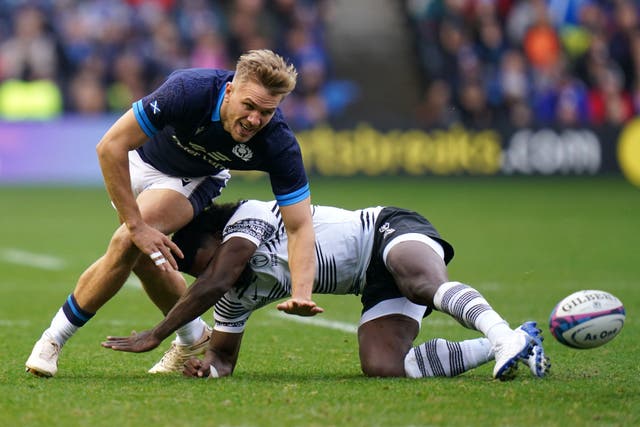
point(30, 53)
point(435, 109)
point(625, 23)
point(29, 63)
point(513, 88)
point(609, 101)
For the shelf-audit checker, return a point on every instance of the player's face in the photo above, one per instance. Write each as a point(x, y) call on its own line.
point(247, 108)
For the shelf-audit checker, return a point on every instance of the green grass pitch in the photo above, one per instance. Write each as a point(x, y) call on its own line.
point(524, 243)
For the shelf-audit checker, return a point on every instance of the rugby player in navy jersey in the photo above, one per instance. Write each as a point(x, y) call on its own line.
point(393, 257)
point(164, 162)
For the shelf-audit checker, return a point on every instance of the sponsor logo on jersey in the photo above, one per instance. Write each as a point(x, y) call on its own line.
point(386, 230)
point(242, 151)
point(214, 158)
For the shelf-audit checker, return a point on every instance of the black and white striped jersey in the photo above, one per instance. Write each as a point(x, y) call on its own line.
point(344, 240)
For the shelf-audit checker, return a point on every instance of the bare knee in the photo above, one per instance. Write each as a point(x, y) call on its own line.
point(384, 342)
point(417, 270)
point(374, 367)
point(121, 247)
point(419, 290)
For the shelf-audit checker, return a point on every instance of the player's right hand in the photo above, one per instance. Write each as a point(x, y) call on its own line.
point(300, 307)
point(157, 246)
point(134, 343)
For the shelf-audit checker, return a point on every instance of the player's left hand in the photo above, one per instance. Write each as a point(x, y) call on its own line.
point(134, 343)
point(300, 307)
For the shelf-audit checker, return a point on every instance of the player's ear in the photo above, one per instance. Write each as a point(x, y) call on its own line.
point(228, 90)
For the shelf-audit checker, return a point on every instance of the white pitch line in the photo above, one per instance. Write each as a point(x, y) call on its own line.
point(14, 323)
point(323, 323)
point(349, 327)
point(30, 259)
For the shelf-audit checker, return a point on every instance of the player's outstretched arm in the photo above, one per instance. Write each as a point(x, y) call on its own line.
point(220, 275)
point(301, 239)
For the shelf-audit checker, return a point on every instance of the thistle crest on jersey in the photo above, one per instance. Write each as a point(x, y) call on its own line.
point(242, 151)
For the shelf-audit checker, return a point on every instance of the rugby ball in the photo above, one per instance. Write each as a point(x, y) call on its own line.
point(587, 319)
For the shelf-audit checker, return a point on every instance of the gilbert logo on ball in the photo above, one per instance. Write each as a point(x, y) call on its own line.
point(587, 319)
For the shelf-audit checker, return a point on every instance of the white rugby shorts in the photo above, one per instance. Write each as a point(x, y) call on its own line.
point(402, 305)
point(201, 191)
point(146, 177)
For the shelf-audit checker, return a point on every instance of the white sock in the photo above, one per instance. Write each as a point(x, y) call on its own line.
point(61, 329)
point(471, 309)
point(442, 358)
point(493, 326)
point(191, 332)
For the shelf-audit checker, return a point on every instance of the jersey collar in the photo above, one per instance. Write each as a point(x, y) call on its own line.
point(215, 117)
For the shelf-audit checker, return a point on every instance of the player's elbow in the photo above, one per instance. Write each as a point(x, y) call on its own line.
point(104, 150)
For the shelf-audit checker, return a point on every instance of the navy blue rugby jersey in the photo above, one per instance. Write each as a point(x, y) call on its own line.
point(186, 137)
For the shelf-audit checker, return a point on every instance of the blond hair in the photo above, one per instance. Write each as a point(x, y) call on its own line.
point(268, 69)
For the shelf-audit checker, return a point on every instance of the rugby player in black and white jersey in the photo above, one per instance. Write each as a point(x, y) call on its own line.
point(165, 161)
point(394, 258)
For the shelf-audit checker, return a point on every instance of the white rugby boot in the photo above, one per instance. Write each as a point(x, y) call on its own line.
point(508, 351)
point(174, 358)
point(43, 361)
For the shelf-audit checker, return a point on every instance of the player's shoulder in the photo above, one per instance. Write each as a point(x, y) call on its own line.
point(258, 209)
point(199, 74)
point(254, 220)
point(342, 213)
point(199, 80)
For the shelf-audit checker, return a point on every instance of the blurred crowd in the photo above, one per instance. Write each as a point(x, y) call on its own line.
point(97, 56)
point(527, 62)
point(484, 63)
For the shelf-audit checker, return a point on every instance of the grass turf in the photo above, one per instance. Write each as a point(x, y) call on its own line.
point(524, 243)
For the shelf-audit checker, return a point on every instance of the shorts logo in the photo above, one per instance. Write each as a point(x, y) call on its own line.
point(386, 230)
point(242, 151)
point(185, 181)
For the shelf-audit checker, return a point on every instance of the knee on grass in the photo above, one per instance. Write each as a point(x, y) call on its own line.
point(377, 367)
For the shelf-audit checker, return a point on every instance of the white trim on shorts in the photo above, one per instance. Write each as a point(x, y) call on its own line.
point(394, 306)
point(413, 237)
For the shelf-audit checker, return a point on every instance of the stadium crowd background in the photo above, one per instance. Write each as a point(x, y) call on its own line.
point(483, 63)
point(101, 55)
point(535, 62)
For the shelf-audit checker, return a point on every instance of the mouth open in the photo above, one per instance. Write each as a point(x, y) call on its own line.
point(246, 130)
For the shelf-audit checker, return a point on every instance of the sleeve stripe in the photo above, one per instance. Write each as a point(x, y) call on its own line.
point(295, 197)
point(143, 120)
